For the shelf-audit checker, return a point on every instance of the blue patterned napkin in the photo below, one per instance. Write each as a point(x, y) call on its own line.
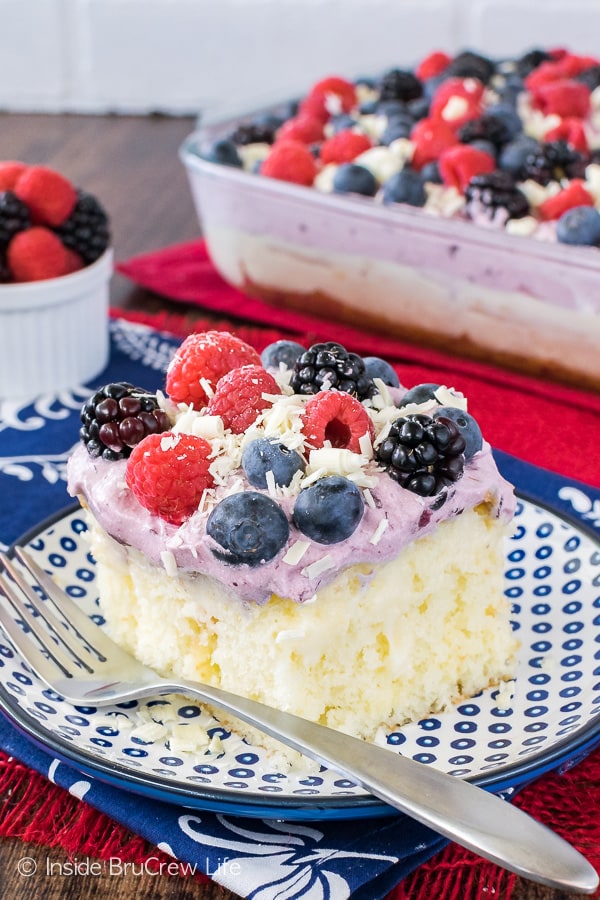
point(252, 857)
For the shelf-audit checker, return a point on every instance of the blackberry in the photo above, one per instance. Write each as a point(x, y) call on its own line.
point(590, 77)
point(496, 190)
point(14, 217)
point(530, 61)
point(5, 273)
point(470, 65)
point(554, 161)
point(86, 231)
point(486, 128)
point(117, 417)
point(424, 455)
point(398, 84)
point(329, 365)
point(255, 133)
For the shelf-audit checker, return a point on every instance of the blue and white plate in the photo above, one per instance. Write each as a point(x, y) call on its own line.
point(547, 719)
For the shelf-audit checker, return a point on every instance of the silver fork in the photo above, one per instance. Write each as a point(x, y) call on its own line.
point(76, 658)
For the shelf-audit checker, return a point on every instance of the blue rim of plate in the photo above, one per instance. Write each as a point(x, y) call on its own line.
point(562, 755)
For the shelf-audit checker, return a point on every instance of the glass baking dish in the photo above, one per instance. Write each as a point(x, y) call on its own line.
point(521, 303)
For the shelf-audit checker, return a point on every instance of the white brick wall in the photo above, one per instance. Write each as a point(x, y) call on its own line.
point(220, 57)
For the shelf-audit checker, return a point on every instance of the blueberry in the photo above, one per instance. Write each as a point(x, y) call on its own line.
point(418, 108)
point(579, 225)
point(484, 145)
point(391, 108)
point(378, 368)
point(511, 120)
point(350, 178)
point(396, 128)
point(404, 187)
point(223, 152)
point(510, 89)
point(250, 527)
point(368, 108)
point(431, 172)
point(270, 455)
point(342, 122)
point(329, 510)
point(420, 393)
point(467, 426)
point(286, 352)
point(512, 156)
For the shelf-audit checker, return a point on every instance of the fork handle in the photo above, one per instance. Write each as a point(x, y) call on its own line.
point(474, 818)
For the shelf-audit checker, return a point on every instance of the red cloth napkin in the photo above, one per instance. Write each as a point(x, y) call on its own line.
point(545, 423)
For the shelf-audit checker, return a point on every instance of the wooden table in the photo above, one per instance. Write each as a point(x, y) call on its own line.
point(131, 165)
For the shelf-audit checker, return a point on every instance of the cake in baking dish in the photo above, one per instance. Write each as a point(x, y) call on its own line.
point(300, 528)
point(454, 203)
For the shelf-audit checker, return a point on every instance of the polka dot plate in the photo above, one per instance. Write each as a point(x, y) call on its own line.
point(548, 718)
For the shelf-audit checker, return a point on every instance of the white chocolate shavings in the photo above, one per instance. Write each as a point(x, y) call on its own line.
point(168, 561)
point(149, 732)
point(381, 162)
point(592, 182)
point(188, 737)
point(324, 179)
point(536, 193)
point(207, 387)
point(369, 499)
point(378, 533)
point(271, 486)
point(450, 397)
point(337, 461)
point(295, 552)
point(523, 227)
point(403, 149)
point(455, 108)
point(443, 201)
point(168, 442)
point(250, 154)
point(319, 566)
point(289, 634)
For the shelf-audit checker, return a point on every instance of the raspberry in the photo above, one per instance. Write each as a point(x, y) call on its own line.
point(37, 254)
point(168, 474)
point(330, 96)
point(458, 165)
point(336, 417)
point(48, 194)
point(201, 360)
point(572, 132)
point(430, 138)
point(239, 397)
point(573, 195)
point(564, 97)
point(303, 128)
point(449, 93)
point(344, 146)
point(290, 161)
point(432, 65)
point(10, 172)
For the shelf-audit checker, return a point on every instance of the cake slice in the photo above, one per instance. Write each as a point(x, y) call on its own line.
point(302, 530)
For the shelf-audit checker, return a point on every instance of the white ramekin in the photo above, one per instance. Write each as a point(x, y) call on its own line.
point(54, 333)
